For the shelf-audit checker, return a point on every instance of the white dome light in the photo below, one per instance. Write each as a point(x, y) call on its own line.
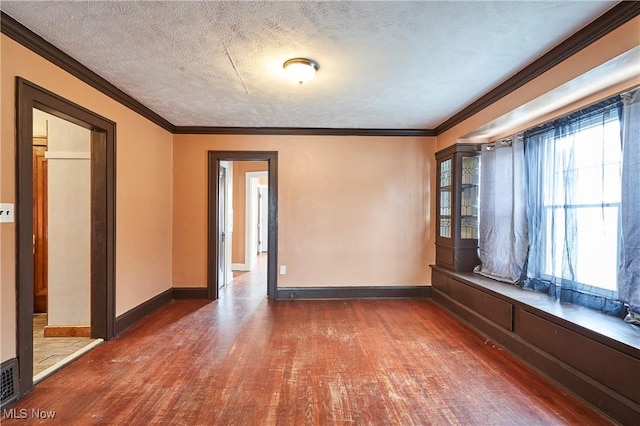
point(300, 70)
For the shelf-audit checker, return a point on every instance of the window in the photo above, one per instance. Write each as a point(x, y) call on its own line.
point(573, 179)
point(582, 207)
point(570, 228)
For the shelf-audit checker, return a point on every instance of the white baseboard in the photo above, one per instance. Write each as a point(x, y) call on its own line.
point(239, 267)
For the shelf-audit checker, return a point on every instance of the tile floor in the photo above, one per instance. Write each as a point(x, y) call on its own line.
point(48, 351)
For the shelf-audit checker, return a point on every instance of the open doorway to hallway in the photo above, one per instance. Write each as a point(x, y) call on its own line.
point(243, 219)
point(61, 242)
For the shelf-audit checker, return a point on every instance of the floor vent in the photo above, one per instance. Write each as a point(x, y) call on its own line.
point(9, 388)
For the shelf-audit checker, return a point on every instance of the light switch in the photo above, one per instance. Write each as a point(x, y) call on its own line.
point(6, 213)
point(283, 269)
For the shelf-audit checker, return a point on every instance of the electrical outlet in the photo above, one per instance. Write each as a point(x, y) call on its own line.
point(6, 213)
point(283, 269)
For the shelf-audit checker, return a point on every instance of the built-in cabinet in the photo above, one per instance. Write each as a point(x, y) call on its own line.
point(457, 185)
point(592, 354)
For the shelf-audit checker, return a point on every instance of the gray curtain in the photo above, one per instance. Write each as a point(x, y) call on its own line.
point(503, 240)
point(629, 271)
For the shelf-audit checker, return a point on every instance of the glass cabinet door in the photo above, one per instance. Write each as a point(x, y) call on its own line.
point(445, 198)
point(469, 181)
point(456, 222)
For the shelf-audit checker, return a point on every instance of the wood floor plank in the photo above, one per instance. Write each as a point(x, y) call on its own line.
point(246, 360)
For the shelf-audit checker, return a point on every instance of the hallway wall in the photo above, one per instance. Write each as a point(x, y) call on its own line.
point(69, 221)
point(240, 170)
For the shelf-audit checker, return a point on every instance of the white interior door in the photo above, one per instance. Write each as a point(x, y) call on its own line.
point(263, 218)
point(223, 240)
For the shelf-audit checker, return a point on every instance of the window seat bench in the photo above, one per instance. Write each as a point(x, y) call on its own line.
point(593, 355)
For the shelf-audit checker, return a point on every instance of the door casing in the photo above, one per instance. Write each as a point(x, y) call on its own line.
point(103, 185)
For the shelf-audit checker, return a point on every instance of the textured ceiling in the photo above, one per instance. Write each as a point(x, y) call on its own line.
point(395, 65)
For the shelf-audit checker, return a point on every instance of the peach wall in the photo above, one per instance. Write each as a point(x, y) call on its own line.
point(240, 169)
point(606, 48)
point(143, 191)
point(353, 211)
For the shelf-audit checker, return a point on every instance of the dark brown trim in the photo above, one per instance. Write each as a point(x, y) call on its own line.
point(204, 130)
point(132, 316)
point(103, 231)
point(192, 293)
point(67, 331)
point(597, 395)
point(612, 331)
point(103, 156)
point(21, 34)
point(271, 157)
point(370, 292)
point(24, 232)
point(609, 21)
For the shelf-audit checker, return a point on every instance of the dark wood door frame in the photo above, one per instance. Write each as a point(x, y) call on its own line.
point(103, 157)
point(271, 157)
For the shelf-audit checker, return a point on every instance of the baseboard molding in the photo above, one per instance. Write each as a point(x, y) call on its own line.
point(239, 267)
point(131, 317)
point(371, 292)
point(134, 315)
point(67, 331)
point(190, 293)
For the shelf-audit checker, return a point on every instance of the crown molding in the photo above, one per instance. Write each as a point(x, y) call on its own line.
point(318, 131)
point(601, 26)
point(21, 34)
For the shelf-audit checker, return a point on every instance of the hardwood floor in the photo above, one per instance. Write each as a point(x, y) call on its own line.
point(246, 360)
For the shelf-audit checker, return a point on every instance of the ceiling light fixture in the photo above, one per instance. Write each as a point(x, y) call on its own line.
point(300, 70)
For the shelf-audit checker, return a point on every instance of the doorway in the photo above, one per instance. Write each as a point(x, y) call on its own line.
point(61, 241)
point(100, 212)
point(219, 228)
